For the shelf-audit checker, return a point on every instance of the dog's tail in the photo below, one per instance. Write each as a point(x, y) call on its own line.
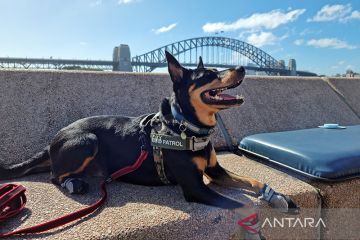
point(40, 162)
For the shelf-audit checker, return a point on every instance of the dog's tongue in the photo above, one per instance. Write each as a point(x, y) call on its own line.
point(226, 96)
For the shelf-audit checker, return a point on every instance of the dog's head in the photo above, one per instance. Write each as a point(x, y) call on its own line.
point(199, 92)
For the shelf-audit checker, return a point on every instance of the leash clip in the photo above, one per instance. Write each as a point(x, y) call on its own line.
point(182, 127)
point(109, 180)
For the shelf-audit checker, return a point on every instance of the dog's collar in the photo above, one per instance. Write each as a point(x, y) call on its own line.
point(188, 125)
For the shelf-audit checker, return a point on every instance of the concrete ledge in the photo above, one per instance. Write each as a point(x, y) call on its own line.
point(303, 194)
point(340, 200)
point(138, 212)
point(344, 196)
point(332, 193)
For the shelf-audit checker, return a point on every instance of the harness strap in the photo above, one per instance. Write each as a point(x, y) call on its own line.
point(82, 212)
point(162, 136)
point(159, 165)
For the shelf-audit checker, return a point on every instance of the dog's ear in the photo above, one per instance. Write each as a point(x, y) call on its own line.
point(176, 71)
point(200, 64)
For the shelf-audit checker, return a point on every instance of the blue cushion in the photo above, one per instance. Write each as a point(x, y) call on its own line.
point(327, 154)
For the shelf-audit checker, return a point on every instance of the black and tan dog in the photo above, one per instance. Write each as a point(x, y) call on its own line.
point(104, 144)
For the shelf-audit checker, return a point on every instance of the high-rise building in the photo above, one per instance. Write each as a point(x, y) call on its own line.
point(292, 64)
point(292, 67)
point(282, 64)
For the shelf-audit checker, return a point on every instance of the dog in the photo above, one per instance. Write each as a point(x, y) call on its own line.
point(100, 145)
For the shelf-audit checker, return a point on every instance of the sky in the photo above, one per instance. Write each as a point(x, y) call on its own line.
point(323, 36)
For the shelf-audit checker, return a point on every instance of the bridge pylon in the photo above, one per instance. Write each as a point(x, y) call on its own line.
point(122, 58)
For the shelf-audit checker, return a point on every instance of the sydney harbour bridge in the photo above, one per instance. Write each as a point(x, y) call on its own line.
point(217, 52)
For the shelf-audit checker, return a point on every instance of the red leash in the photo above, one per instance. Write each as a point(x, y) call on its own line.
point(18, 191)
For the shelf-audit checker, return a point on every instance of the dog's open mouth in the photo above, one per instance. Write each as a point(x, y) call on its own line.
point(216, 96)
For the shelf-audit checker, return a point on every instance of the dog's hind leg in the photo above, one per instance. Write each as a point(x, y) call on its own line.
point(70, 157)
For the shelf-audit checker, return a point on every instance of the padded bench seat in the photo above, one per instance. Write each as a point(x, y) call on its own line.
point(326, 154)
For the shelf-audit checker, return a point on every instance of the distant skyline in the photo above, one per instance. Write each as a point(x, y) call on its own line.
point(323, 36)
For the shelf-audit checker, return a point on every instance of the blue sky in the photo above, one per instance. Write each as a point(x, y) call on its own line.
point(323, 36)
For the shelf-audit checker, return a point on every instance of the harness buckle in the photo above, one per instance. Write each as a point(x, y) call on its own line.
point(192, 143)
point(197, 144)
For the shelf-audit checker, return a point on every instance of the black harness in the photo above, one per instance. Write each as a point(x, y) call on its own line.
point(163, 135)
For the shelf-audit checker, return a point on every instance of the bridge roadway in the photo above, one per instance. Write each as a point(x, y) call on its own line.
point(43, 63)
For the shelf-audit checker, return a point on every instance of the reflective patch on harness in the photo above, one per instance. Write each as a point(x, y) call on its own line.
point(169, 142)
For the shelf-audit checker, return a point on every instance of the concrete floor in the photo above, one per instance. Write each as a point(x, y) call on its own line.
point(139, 212)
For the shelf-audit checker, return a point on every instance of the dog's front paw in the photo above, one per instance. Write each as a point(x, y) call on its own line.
point(279, 201)
point(75, 186)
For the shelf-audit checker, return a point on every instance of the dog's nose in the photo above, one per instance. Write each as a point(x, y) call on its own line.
point(240, 69)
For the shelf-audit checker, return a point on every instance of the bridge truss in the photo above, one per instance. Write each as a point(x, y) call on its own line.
point(214, 50)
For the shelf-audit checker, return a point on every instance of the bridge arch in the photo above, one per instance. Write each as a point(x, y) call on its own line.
point(147, 62)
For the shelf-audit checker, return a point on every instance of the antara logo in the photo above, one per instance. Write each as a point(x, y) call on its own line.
point(293, 222)
point(281, 223)
point(251, 220)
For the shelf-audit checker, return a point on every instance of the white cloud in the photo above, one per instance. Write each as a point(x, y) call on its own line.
point(269, 20)
point(331, 12)
point(164, 28)
point(337, 12)
point(299, 42)
point(307, 31)
point(127, 1)
point(262, 39)
point(355, 15)
point(330, 43)
point(244, 34)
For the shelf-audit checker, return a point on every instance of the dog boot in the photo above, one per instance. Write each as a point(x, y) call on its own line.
point(75, 186)
point(279, 201)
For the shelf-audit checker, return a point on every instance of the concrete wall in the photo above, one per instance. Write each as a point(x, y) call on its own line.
point(286, 103)
point(36, 104)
